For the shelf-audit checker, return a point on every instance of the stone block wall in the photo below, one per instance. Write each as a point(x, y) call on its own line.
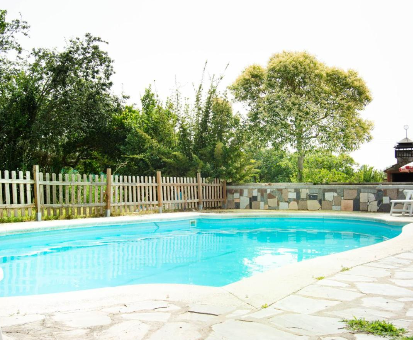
point(297, 196)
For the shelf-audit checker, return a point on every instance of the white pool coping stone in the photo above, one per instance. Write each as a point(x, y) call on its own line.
point(264, 288)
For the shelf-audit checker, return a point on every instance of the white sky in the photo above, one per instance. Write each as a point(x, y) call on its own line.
point(164, 40)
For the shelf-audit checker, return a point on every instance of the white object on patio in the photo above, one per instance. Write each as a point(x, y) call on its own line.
point(407, 168)
point(407, 204)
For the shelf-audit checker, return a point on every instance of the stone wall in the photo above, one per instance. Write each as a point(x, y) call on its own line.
point(297, 196)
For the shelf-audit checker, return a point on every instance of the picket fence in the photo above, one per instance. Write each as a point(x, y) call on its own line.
point(57, 195)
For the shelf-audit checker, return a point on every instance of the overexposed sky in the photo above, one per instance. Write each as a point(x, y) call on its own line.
point(163, 41)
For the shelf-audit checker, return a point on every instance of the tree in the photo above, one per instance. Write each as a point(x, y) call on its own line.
point(8, 32)
point(325, 167)
point(152, 142)
point(319, 167)
point(274, 165)
point(368, 174)
point(299, 102)
point(58, 110)
point(219, 136)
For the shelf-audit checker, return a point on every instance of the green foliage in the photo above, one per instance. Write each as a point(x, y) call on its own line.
point(219, 144)
point(14, 219)
point(8, 32)
point(274, 165)
point(318, 278)
point(368, 174)
point(58, 111)
point(152, 141)
point(381, 328)
point(318, 167)
point(181, 140)
point(219, 136)
point(264, 306)
point(302, 103)
point(324, 167)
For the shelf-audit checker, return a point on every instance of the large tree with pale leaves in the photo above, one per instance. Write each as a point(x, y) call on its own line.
point(301, 103)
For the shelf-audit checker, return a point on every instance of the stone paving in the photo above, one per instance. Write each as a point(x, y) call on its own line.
point(381, 289)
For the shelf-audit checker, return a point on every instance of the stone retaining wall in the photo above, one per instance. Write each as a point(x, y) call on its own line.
point(297, 196)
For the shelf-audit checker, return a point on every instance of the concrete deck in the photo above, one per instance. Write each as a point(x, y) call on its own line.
point(379, 285)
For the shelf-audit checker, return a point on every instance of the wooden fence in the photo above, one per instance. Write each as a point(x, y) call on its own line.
point(58, 195)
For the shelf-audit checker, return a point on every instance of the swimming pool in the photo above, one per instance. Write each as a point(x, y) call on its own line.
point(203, 251)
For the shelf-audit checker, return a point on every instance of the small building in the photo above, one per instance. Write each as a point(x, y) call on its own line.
point(404, 155)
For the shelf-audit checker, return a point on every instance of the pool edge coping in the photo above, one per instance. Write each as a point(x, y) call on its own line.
point(31, 226)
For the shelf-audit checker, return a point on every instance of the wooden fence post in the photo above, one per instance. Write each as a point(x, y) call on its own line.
point(108, 191)
point(159, 182)
point(199, 180)
point(36, 190)
point(224, 194)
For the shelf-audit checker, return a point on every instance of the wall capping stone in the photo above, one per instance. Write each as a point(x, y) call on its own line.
point(408, 186)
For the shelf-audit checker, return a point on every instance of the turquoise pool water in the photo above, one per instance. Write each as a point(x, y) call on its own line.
point(205, 251)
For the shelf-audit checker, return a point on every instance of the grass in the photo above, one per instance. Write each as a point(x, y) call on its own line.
point(320, 278)
point(380, 328)
point(344, 269)
point(13, 219)
point(25, 217)
point(264, 306)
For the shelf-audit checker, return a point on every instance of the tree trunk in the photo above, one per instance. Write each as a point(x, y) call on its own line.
point(300, 161)
point(300, 164)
